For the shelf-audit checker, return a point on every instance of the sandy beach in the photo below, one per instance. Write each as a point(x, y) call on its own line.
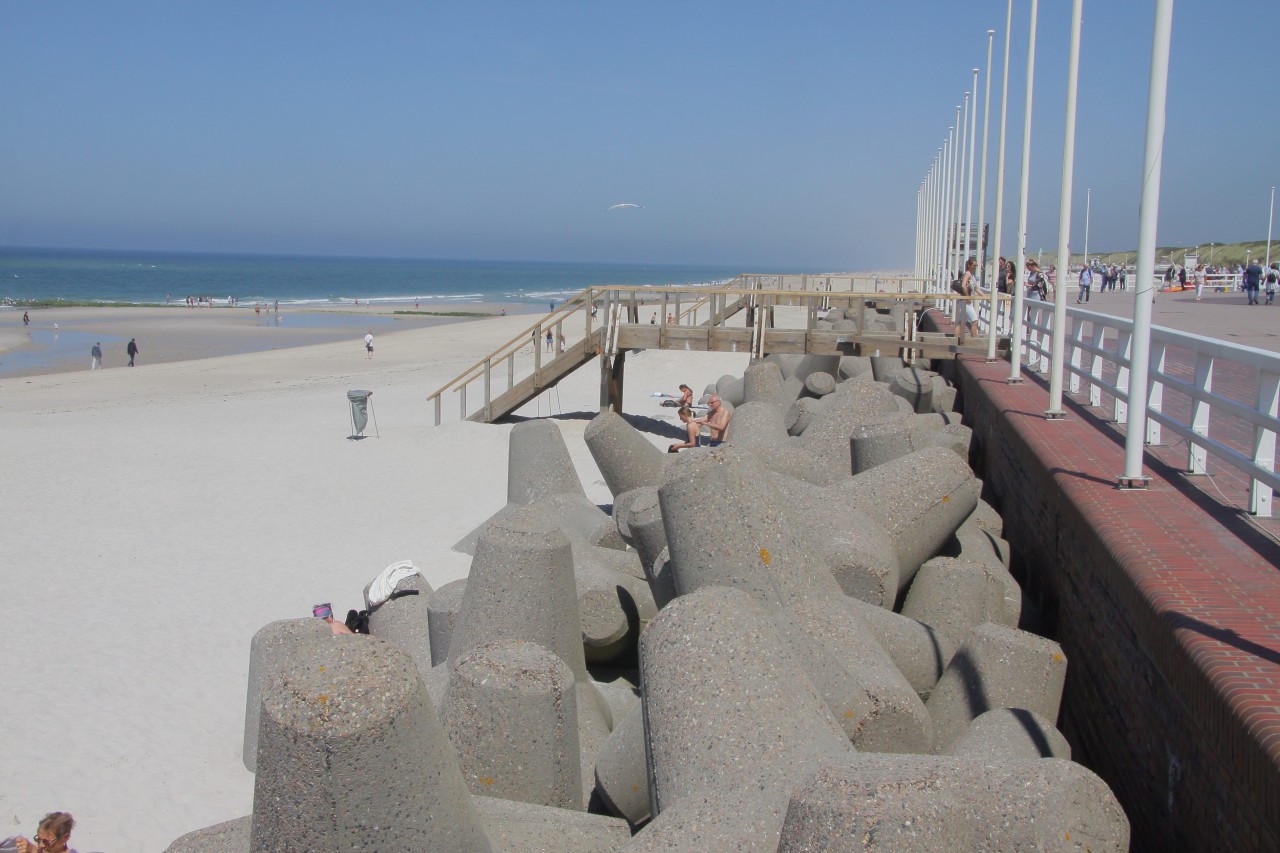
point(157, 517)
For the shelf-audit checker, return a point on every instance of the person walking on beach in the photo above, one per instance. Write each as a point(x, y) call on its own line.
point(368, 345)
point(133, 350)
point(26, 319)
point(95, 356)
point(1273, 277)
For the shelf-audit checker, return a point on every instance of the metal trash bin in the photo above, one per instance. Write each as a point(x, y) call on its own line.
point(360, 405)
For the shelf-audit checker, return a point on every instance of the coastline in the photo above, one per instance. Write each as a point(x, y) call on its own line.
point(167, 334)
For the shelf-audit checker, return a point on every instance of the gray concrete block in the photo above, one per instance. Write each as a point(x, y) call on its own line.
point(731, 821)
point(759, 427)
point(920, 500)
point(792, 390)
point(731, 389)
point(627, 460)
point(515, 827)
point(443, 605)
point(930, 803)
point(403, 620)
point(799, 415)
point(613, 606)
point(725, 528)
point(511, 714)
point(882, 439)
point(270, 651)
point(996, 667)
point(521, 587)
point(538, 463)
point(955, 596)
point(920, 653)
point(834, 313)
point(726, 704)
point(827, 437)
point(232, 836)
point(860, 684)
point(1010, 734)
point(915, 386)
point(351, 756)
point(986, 516)
point(622, 775)
point(944, 395)
point(649, 535)
point(957, 438)
point(853, 366)
point(762, 383)
point(856, 549)
point(972, 542)
point(883, 367)
point(819, 384)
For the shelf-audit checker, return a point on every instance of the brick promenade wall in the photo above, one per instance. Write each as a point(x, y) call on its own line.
point(1168, 607)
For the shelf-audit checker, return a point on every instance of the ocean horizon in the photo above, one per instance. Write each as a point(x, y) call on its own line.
point(159, 278)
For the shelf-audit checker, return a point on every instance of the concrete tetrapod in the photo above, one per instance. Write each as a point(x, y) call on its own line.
point(538, 463)
point(625, 457)
point(622, 777)
point(726, 528)
point(522, 587)
point(955, 596)
point(826, 438)
point(762, 383)
point(351, 757)
point(920, 500)
point(402, 620)
point(861, 685)
point(270, 651)
point(727, 706)
point(929, 803)
point(1010, 734)
point(442, 612)
point(511, 713)
point(915, 386)
point(996, 667)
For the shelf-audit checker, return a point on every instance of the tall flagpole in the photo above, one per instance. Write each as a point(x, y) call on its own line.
point(982, 206)
point(1271, 217)
point(1055, 411)
point(1015, 367)
point(1004, 114)
point(1148, 219)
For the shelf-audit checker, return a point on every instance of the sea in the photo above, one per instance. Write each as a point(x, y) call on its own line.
point(158, 278)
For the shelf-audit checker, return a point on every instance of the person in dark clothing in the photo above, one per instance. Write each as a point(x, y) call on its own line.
point(1252, 279)
point(133, 350)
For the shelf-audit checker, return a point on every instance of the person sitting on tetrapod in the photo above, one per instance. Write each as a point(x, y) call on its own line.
point(716, 420)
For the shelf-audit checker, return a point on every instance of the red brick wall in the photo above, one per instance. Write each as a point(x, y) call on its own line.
point(1167, 606)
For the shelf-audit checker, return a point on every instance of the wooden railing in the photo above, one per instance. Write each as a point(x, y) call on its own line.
point(692, 318)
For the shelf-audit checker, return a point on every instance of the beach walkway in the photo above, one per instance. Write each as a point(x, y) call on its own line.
point(1166, 601)
point(744, 317)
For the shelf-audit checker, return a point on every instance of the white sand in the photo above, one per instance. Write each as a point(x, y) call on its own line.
point(155, 518)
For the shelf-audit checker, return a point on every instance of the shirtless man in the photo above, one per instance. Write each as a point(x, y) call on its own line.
point(716, 419)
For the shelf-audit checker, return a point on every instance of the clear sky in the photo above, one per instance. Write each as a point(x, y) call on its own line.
point(765, 135)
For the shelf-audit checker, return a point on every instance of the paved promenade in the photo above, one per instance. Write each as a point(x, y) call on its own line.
point(1167, 600)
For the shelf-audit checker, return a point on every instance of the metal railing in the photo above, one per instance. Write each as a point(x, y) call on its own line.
point(1097, 363)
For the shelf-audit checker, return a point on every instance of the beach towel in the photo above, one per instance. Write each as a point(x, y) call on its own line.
point(385, 584)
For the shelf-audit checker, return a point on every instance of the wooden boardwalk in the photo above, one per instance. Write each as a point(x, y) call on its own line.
point(604, 323)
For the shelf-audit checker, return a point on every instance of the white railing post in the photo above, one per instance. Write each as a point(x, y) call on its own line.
point(1124, 348)
point(488, 391)
point(1096, 362)
point(1198, 454)
point(1264, 442)
point(1077, 355)
point(1155, 397)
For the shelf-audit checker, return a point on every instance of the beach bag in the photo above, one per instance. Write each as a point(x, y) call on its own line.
point(358, 621)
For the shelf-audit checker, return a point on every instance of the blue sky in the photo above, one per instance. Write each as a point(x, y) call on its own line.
point(755, 134)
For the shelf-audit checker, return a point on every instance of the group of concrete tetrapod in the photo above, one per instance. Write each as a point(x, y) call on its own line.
point(826, 635)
